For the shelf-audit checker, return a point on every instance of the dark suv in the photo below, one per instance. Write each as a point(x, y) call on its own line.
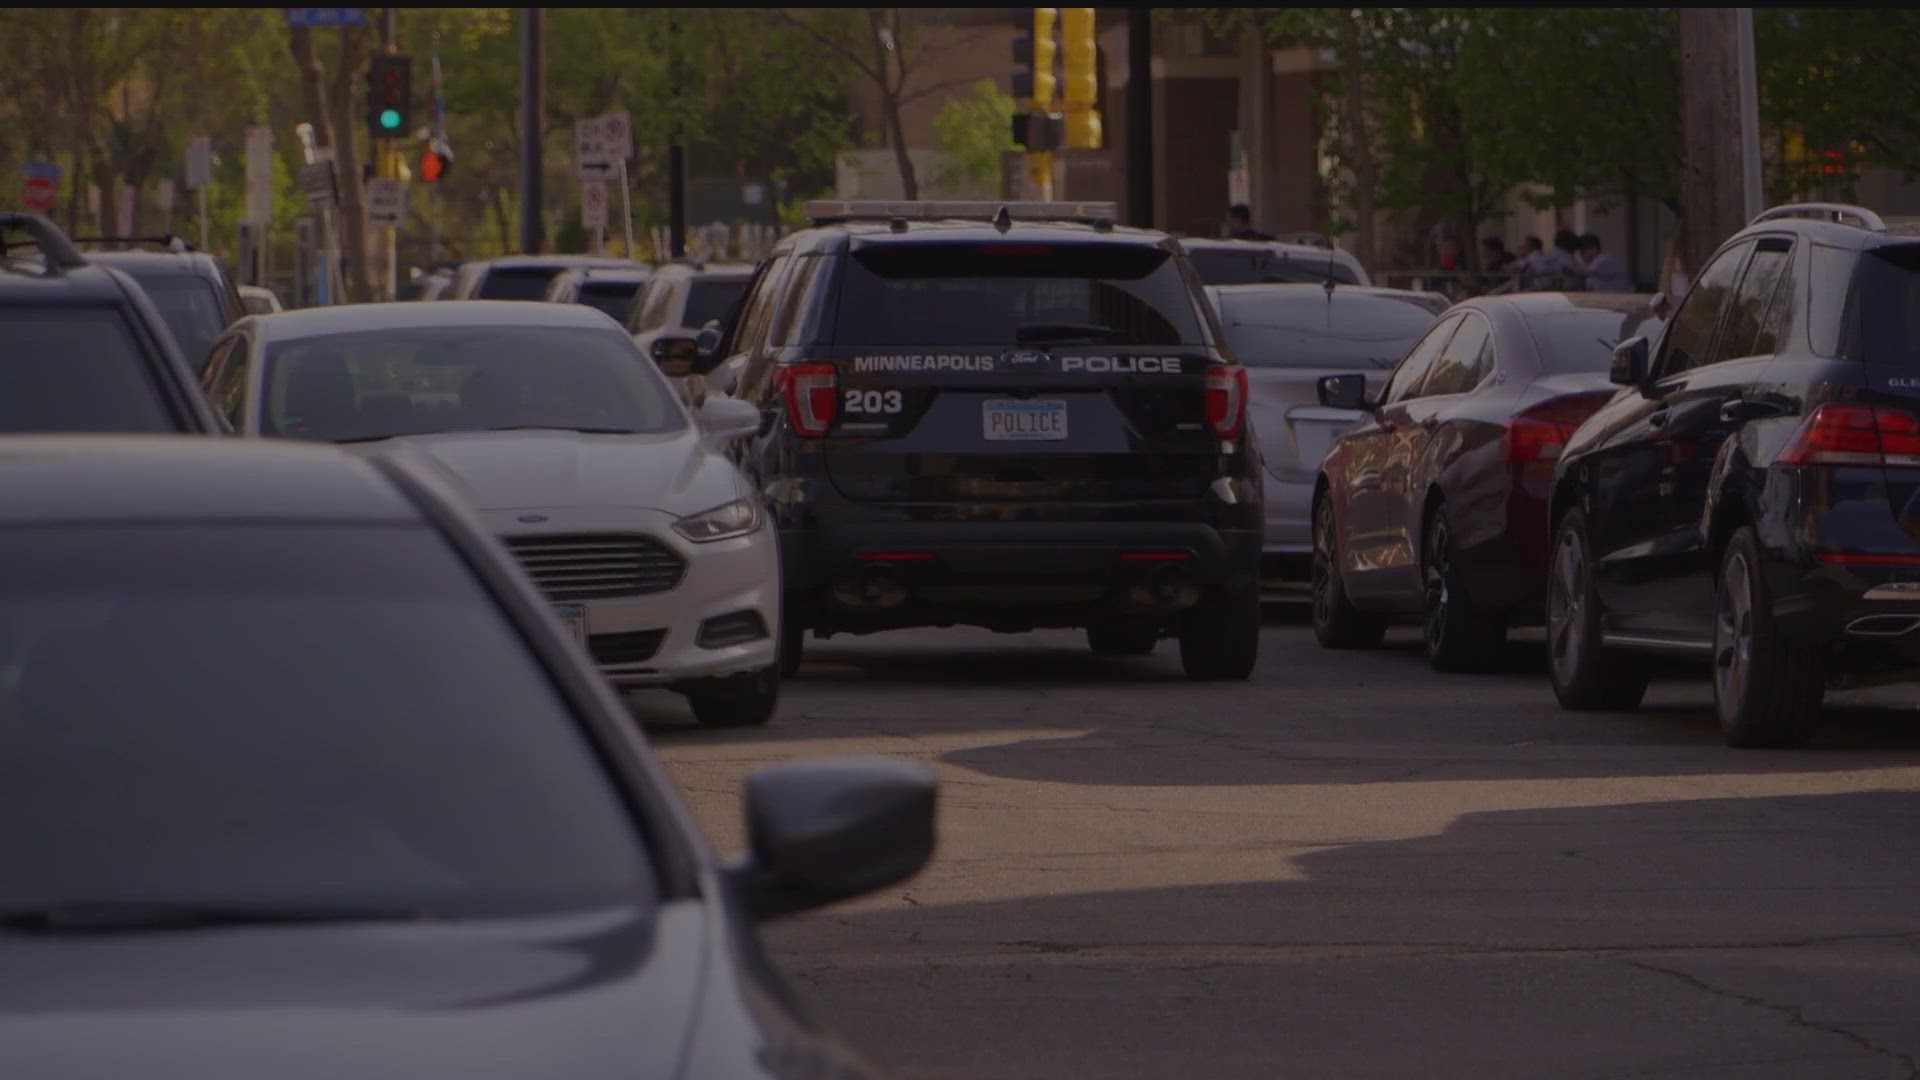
point(196, 298)
point(1752, 496)
point(82, 349)
point(1010, 416)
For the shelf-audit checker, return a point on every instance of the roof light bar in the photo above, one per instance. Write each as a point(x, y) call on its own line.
point(827, 211)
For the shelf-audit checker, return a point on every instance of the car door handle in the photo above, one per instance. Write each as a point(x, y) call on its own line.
point(1740, 409)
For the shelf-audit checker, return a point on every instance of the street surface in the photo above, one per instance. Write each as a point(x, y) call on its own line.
point(1347, 867)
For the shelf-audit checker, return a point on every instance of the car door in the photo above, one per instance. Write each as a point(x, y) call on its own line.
point(1361, 465)
point(1653, 568)
point(1432, 434)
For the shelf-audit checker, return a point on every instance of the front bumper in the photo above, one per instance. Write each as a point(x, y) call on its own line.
point(655, 639)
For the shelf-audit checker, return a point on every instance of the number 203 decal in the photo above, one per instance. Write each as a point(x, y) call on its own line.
point(873, 401)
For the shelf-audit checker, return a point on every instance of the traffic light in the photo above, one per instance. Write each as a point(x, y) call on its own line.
point(1037, 132)
point(1033, 57)
point(436, 161)
point(390, 96)
point(1080, 88)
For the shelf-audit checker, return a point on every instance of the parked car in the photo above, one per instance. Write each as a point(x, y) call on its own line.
point(610, 290)
point(303, 778)
point(521, 277)
point(191, 291)
point(1288, 337)
point(574, 449)
point(1435, 506)
point(259, 300)
point(684, 298)
point(431, 284)
point(1249, 262)
point(1751, 497)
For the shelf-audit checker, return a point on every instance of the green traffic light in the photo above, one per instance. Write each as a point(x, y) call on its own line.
point(390, 119)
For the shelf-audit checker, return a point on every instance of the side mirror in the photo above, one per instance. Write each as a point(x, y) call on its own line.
point(725, 418)
point(708, 342)
point(1630, 362)
point(826, 831)
point(1344, 392)
point(663, 347)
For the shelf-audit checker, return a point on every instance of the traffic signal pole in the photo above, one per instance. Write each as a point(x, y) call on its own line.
point(387, 159)
point(1140, 117)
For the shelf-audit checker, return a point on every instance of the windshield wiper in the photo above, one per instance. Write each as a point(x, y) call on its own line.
point(565, 427)
point(115, 917)
point(364, 438)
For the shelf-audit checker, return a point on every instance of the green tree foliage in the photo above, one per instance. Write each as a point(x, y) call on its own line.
point(1841, 79)
point(976, 132)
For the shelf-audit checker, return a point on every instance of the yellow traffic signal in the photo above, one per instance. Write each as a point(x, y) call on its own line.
point(1044, 50)
point(1082, 84)
point(1083, 129)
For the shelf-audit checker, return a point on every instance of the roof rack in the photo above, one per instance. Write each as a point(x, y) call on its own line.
point(836, 211)
point(59, 251)
point(1842, 213)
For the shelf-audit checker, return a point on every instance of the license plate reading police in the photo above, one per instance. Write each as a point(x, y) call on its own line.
point(574, 617)
point(1024, 421)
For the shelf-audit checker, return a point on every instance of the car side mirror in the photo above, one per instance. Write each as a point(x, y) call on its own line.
point(830, 830)
point(1344, 392)
point(726, 418)
point(1631, 361)
point(663, 347)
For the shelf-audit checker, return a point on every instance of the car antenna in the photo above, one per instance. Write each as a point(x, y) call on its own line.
point(1003, 220)
point(1328, 285)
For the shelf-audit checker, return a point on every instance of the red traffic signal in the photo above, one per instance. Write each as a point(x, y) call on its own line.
point(435, 162)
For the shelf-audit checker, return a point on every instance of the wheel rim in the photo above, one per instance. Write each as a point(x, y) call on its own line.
point(1566, 606)
point(1733, 632)
point(1323, 566)
point(1438, 596)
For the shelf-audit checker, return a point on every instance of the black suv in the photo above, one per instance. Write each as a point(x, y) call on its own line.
point(1010, 416)
point(1752, 495)
point(196, 298)
point(82, 349)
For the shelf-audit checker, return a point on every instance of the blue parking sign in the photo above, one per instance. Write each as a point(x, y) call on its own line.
point(316, 17)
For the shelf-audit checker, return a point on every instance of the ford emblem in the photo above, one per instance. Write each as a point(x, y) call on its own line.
point(1024, 357)
point(532, 519)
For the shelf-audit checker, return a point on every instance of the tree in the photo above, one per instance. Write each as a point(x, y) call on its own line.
point(1838, 79)
point(976, 133)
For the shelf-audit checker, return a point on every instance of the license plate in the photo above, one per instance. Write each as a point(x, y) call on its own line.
point(1024, 421)
point(574, 616)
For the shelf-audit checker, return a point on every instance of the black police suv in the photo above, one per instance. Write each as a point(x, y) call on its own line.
point(1010, 416)
point(193, 294)
point(1752, 495)
point(82, 348)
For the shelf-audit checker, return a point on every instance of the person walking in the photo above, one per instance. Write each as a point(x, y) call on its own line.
point(1605, 271)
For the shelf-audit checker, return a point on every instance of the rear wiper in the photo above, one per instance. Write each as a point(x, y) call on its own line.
point(129, 917)
point(365, 438)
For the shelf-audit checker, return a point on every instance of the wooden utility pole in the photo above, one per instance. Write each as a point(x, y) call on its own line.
point(1712, 177)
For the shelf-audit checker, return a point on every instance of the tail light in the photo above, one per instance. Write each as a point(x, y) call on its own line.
point(1227, 399)
point(809, 393)
point(1855, 435)
point(1541, 432)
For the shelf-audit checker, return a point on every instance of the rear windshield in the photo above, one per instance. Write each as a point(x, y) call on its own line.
point(292, 714)
point(1884, 320)
point(1217, 266)
point(1580, 340)
point(712, 301)
point(75, 369)
point(1015, 294)
point(613, 297)
point(1308, 329)
point(191, 307)
point(517, 283)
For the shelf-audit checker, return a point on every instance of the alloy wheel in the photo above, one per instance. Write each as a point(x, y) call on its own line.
point(1438, 597)
point(1733, 632)
point(1566, 605)
point(1323, 570)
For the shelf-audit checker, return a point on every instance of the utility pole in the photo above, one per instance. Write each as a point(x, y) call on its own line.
point(676, 157)
point(387, 159)
point(1749, 114)
point(533, 112)
point(1140, 117)
point(1712, 175)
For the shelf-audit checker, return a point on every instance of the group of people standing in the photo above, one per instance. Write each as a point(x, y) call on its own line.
point(1574, 263)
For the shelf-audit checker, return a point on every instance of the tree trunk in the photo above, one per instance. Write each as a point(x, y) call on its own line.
point(1365, 173)
point(1710, 133)
point(353, 207)
point(889, 61)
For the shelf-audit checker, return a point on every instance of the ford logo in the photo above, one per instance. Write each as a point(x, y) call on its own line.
point(532, 519)
point(1024, 357)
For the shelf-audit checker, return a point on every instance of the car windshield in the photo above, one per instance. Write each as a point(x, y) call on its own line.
point(1226, 266)
point(712, 301)
point(1886, 306)
point(252, 714)
point(1577, 340)
point(374, 384)
point(613, 297)
point(191, 307)
point(75, 369)
point(517, 282)
point(933, 295)
point(1305, 328)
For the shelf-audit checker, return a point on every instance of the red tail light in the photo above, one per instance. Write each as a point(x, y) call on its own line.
point(1541, 432)
point(809, 393)
point(1855, 435)
point(1227, 400)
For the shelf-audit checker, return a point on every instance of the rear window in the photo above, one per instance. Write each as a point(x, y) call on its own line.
point(614, 298)
point(75, 369)
point(1582, 339)
point(191, 307)
point(1884, 312)
point(1309, 329)
point(1015, 293)
point(1224, 267)
point(517, 283)
point(712, 301)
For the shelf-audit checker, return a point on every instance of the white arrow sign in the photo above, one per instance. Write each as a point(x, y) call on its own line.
point(593, 204)
point(386, 203)
point(600, 144)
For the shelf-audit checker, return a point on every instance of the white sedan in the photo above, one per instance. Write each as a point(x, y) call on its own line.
point(620, 504)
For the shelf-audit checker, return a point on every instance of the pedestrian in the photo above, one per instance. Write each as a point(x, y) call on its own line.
point(1558, 269)
point(1605, 271)
point(1240, 224)
point(676, 357)
point(1523, 265)
point(1494, 256)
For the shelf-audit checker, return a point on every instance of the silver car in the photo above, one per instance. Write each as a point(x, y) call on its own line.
point(1289, 336)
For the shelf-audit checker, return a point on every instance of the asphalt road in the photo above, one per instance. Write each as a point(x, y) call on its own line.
point(1348, 867)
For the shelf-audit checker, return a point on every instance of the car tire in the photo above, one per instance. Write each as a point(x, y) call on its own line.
point(741, 701)
point(1123, 639)
point(1337, 624)
point(1220, 638)
point(793, 639)
point(1585, 674)
point(1767, 692)
point(1460, 635)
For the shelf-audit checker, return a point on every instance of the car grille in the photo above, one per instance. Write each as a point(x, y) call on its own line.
point(630, 648)
point(597, 567)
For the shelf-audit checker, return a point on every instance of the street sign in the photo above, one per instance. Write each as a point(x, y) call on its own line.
point(593, 204)
point(616, 128)
point(600, 144)
point(260, 175)
point(386, 203)
point(199, 162)
point(317, 180)
point(323, 17)
point(41, 186)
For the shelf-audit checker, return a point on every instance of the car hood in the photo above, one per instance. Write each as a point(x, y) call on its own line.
point(610, 996)
point(519, 470)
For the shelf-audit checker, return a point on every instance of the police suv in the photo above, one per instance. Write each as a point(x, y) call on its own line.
point(1011, 416)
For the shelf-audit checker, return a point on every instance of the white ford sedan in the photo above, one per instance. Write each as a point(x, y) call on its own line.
point(574, 449)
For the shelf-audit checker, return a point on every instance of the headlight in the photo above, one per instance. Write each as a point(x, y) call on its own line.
point(737, 518)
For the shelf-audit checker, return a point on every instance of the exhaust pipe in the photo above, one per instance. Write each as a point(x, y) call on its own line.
point(1166, 588)
point(1884, 625)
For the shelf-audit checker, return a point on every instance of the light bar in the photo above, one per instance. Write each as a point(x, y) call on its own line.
point(830, 210)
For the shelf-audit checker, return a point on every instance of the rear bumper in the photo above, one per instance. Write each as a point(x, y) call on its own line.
point(1869, 616)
